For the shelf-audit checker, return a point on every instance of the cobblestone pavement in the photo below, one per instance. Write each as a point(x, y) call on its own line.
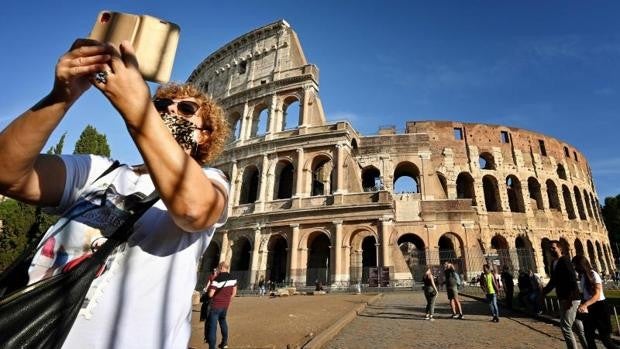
point(397, 321)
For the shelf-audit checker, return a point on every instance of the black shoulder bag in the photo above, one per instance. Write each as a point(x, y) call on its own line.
point(42, 314)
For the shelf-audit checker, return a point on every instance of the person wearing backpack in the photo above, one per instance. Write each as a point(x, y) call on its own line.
point(451, 277)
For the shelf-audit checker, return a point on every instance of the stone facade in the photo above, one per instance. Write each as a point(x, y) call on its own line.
point(315, 201)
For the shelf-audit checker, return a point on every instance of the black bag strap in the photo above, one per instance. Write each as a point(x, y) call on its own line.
point(15, 275)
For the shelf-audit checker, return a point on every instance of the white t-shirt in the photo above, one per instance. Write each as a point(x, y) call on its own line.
point(143, 298)
point(597, 280)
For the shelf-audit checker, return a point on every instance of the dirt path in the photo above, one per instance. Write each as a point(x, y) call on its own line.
point(264, 322)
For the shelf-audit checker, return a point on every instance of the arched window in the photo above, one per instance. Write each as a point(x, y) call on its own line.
point(580, 209)
point(235, 121)
point(535, 195)
point(249, 186)
point(371, 179)
point(260, 121)
point(515, 196)
point(552, 195)
point(283, 180)
point(586, 198)
point(486, 161)
point(406, 178)
point(292, 114)
point(561, 172)
point(465, 187)
point(491, 194)
point(322, 173)
point(568, 202)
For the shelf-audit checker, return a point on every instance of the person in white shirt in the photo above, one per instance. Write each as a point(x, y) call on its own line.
point(143, 298)
point(593, 309)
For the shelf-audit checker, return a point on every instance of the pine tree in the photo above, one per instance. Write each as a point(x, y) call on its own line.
point(57, 150)
point(92, 142)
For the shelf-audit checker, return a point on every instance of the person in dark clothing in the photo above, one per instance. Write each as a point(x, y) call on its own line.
point(206, 301)
point(509, 286)
point(525, 287)
point(221, 291)
point(451, 282)
point(564, 280)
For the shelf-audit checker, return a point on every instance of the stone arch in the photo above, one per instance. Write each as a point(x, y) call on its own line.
point(414, 252)
point(363, 255)
point(492, 199)
point(260, 120)
point(322, 171)
point(235, 120)
point(354, 144)
point(277, 252)
point(291, 113)
point(284, 177)
point(240, 261)
point(580, 209)
point(249, 185)
point(515, 195)
point(465, 187)
point(568, 202)
point(406, 178)
point(533, 187)
point(525, 253)
point(502, 249)
point(371, 178)
point(451, 249)
point(609, 258)
point(208, 262)
point(318, 265)
point(552, 195)
point(579, 248)
point(561, 172)
point(592, 255)
point(486, 161)
point(595, 208)
point(586, 198)
point(601, 259)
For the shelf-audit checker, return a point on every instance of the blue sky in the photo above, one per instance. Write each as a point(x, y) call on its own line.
point(547, 66)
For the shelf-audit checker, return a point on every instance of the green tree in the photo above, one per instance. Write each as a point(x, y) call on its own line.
point(57, 150)
point(17, 218)
point(92, 142)
point(611, 216)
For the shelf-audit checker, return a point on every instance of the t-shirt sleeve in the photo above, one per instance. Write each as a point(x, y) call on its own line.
point(219, 178)
point(597, 278)
point(80, 170)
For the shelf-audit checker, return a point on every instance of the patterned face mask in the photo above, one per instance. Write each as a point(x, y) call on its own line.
point(182, 130)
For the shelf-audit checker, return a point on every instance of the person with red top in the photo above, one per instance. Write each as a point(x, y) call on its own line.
point(221, 291)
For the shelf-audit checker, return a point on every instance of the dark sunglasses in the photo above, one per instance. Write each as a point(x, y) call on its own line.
point(186, 108)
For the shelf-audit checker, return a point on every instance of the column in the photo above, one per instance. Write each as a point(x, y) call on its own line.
point(246, 123)
point(273, 115)
point(225, 251)
point(386, 225)
point(305, 107)
point(340, 169)
point(254, 266)
point(232, 195)
point(260, 204)
point(294, 270)
point(337, 270)
point(299, 172)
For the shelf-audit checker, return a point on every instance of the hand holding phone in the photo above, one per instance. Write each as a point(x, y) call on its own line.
point(155, 41)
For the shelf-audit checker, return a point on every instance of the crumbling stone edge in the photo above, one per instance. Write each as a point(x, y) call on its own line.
point(326, 335)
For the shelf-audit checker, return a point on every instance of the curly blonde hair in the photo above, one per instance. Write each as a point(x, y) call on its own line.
point(212, 116)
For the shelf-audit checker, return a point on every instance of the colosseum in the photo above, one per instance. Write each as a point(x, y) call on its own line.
point(313, 200)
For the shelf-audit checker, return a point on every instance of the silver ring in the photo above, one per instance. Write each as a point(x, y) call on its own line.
point(102, 77)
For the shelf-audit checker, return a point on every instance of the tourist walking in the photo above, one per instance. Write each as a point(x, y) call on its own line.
point(451, 282)
point(564, 280)
point(430, 292)
point(222, 290)
point(593, 310)
point(488, 283)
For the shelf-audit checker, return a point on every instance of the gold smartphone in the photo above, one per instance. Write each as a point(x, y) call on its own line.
point(154, 40)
